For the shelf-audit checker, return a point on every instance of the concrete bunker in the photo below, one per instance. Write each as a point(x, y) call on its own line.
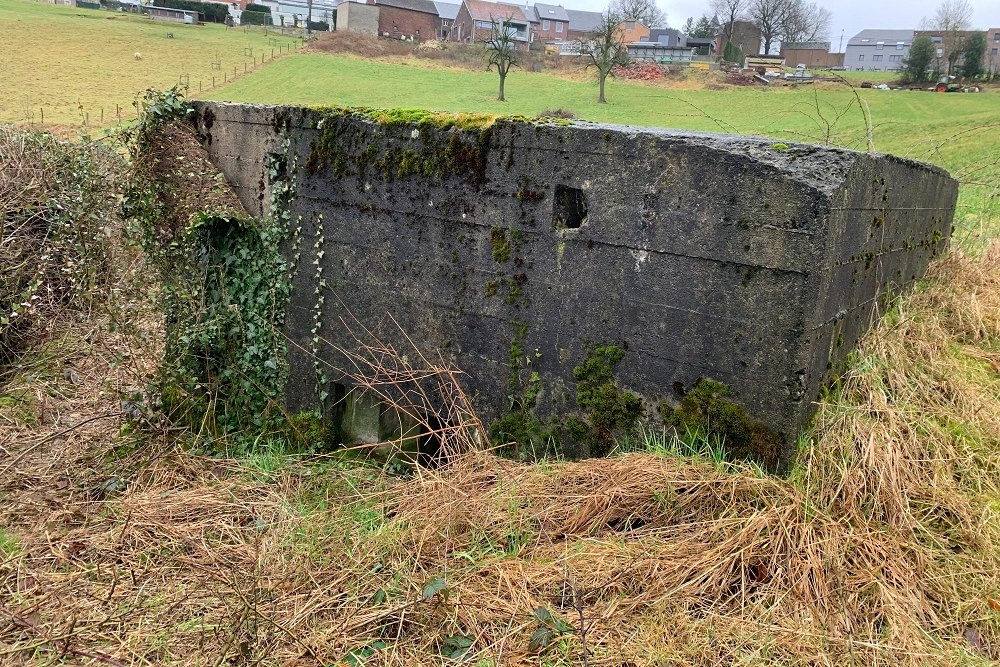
point(678, 270)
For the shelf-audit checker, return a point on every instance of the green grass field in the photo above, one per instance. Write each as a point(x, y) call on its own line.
point(66, 62)
point(958, 132)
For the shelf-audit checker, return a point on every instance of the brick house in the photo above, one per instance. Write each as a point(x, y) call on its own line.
point(992, 55)
point(746, 37)
point(550, 23)
point(407, 19)
point(633, 31)
point(475, 21)
point(447, 13)
point(945, 42)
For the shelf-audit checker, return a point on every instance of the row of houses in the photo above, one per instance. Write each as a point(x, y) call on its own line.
point(558, 28)
point(886, 50)
point(469, 22)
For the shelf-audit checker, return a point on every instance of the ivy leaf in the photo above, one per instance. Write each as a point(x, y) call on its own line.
point(542, 615)
point(456, 646)
point(435, 586)
point(540, 639)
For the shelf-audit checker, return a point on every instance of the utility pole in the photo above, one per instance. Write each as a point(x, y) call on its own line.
point(841, 49)
point(309, 17)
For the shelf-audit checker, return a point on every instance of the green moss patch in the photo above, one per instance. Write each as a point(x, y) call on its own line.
point(441, 146)
point(610, 412)
point(707, 407)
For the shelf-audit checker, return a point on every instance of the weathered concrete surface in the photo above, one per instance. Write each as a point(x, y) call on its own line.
point(753, 263)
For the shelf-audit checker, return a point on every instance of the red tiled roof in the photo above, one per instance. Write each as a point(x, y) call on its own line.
point(482, 10)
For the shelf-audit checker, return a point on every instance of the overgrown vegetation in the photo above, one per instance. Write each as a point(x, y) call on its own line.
point(56, 241)
point(223, 283)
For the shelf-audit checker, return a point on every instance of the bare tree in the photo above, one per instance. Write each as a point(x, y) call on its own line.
point(606, 48)
point(729, 12)
point(645, 11)
point(501, 49)
point(806, 22)
point(953, 19)
point(771, 17)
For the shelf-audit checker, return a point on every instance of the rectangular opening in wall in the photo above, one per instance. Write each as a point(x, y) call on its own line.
point(569, 210)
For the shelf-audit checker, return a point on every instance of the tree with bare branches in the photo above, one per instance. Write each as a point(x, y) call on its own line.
point(645, 11)
point(806, 22)
point(771, 17)
point(501, 49)
point(605, 47)
point(953, 19)
point(729, 12)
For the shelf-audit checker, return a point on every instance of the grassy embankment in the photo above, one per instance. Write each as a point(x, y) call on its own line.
point(66, 62)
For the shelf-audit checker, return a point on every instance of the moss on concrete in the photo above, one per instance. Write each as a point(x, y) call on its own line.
point(610, 411)
point(708, 407)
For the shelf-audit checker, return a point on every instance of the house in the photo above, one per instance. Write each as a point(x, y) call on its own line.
point(878, 50)
point(550, 22)
point(992, 55)
point(947, 42)
point(633, 31)
point(358, 17)
point(746, 37)
point(176, 15)
point(814, 55)
point(447, 13)
point(582, 23)
point(476, 18)
point(407, 19)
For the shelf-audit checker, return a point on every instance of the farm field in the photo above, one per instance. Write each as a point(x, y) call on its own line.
point(66, 62)
point(958, 132)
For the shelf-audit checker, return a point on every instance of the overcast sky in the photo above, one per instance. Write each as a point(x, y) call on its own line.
point(849, 16)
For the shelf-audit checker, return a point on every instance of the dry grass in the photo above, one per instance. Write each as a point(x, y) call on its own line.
point(882, 548)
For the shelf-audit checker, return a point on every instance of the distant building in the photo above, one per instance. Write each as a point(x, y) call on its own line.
point(633, 31)
point(746, 37)
point(992, 55)
point(475, 20)
point(358, 17)
point(946, 42)
point(878, 50)
point(550, 22)
point(407, 19)
point(175, 15)
point(814, 55)
point(582, 23)
point(447, 13)
point(665, 37)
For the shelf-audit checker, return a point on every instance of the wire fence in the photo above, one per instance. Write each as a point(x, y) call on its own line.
point(85, 117)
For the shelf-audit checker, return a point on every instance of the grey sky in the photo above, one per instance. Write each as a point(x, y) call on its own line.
point(849, 16)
